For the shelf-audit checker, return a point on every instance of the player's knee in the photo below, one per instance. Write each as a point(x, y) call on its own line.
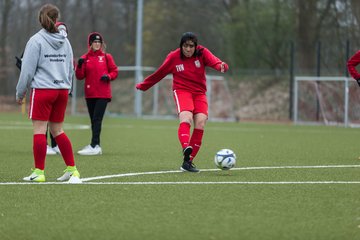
point(186, 117)
point(56, 132)
point(200, 124)
point(55, 129)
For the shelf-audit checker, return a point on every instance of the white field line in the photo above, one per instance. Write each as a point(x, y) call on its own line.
point(86, 180)
point(210, 170)
point(6, 125)
point(184, 183)
point(28, 125)
point(220, 183)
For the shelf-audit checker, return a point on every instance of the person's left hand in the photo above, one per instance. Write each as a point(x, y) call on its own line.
point(105, 78)
point(60, 26)
point(222, 67)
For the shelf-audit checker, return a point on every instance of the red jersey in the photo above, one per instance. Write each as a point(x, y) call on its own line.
point(351, 65)
point(188, 73)
point(97, 64)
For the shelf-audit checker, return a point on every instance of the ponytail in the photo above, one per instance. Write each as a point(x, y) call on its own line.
point(48, 16)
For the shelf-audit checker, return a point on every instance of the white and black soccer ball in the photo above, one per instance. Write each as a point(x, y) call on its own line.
point(225, 159)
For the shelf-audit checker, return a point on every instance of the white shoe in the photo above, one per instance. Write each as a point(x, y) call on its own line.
point(89, 150)
point(36, 176)
point(56, 149)
point(65, 177)
point(69, 172)
point(74, 179)
point(50, 150)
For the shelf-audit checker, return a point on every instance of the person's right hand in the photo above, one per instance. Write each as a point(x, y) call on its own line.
point(358, 81)
point(139, 87)
point(105, 78)
point(80, 62)
point(19, 101)
point(18, 62)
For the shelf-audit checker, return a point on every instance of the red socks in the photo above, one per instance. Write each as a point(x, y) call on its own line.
point(195, 141)
point(66, 149)
point(39, 150)
point(184, 138)
point(184, 134)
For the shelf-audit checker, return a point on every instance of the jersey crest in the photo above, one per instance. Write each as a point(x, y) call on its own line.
point(197, 64)
point(101, 58)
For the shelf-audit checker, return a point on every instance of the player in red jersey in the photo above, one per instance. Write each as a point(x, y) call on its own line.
point(187, 65)
point(98, 68)
point(351, 65)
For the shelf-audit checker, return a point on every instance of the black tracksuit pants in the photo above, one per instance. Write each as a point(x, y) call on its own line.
point(96, 108)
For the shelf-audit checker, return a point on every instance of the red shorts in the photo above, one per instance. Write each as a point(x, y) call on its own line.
point(193, 102)
point(48, 104)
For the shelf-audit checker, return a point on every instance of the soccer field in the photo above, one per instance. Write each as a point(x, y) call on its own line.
point(290, 182)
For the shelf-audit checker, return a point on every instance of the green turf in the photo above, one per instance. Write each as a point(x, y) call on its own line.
point(185, 211)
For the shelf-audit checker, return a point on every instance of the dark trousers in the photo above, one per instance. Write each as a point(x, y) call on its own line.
point(96, 108)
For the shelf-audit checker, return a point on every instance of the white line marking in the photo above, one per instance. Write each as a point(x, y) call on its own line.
point(131, 174)
point(215, 183)
point(86, 180)
point(183, 183)
point(25, 125)
point(210, 170)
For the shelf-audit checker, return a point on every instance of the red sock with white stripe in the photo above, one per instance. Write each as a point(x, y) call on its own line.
point(184, 134)
point(39, 150)
point(195, 141)
point(66, 149)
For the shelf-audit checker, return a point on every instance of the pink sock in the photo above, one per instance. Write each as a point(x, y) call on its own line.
point(195, 141)
point(184, 134)
point(39, 150)
point(66, 149)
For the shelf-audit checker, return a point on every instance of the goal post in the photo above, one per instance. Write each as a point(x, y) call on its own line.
point(326, 100)
point(157, 102)
point(220, 100)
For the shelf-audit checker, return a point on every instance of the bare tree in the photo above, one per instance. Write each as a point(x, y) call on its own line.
point(310, 19)
point(355, 5)
point(6, 10)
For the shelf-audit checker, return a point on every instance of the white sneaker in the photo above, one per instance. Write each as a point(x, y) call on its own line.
point(69, 173)
point(74, 179)
point(50, 150)
point(89, 150)
point(56, 149)
point(36, 176)
point(65, 177)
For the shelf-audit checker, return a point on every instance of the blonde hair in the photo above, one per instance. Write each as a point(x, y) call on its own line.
point(48, 16)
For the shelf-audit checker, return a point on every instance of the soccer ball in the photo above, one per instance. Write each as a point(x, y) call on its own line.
point(225, 159)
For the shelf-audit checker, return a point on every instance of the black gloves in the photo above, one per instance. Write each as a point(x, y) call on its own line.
point(358, 81)
point(18, 62)
point(105, 78)
point(80, 62)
